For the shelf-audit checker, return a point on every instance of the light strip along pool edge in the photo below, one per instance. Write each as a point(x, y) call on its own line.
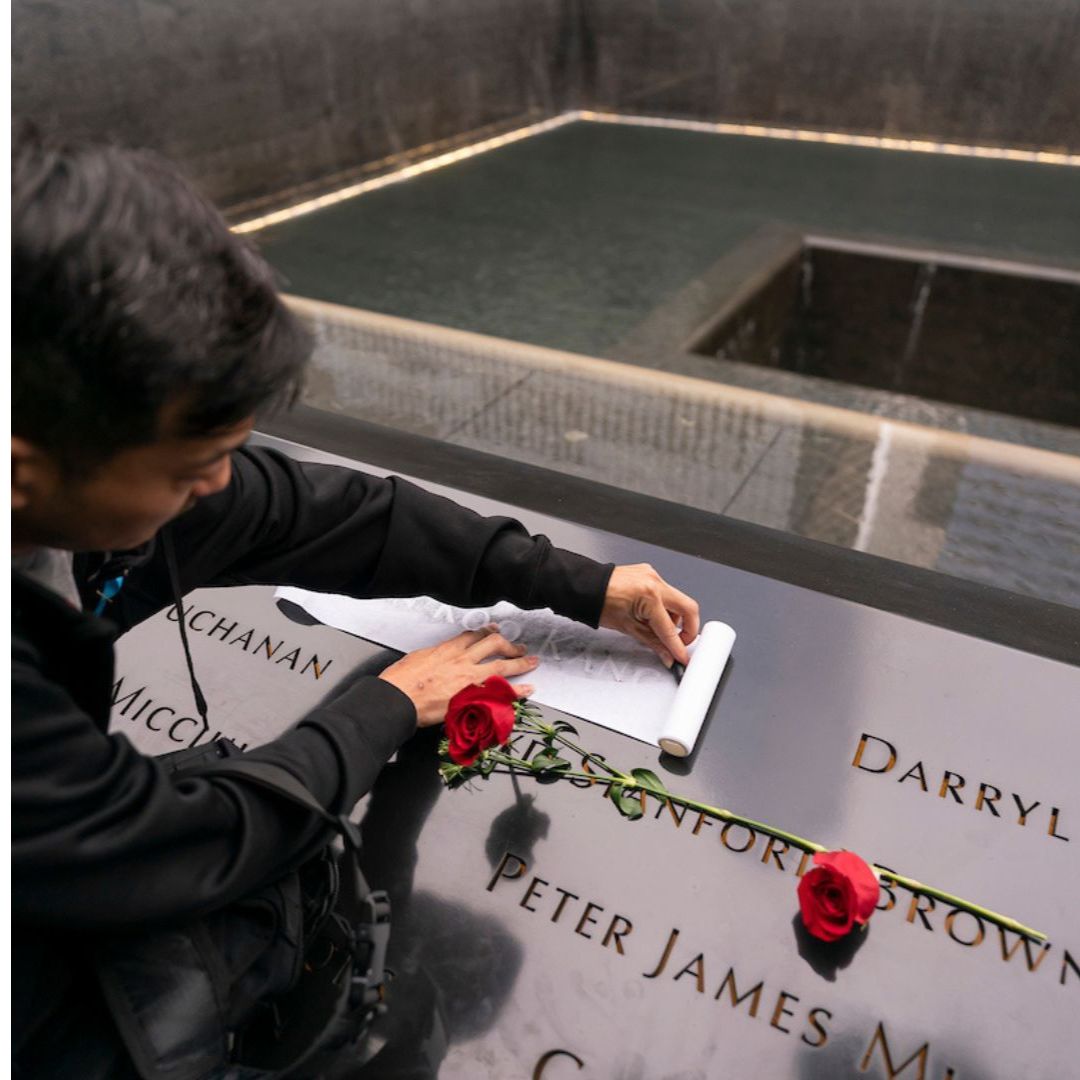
point(759, 131)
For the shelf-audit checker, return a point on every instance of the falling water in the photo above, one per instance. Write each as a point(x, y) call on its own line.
point(806, 277)
point(923, 284)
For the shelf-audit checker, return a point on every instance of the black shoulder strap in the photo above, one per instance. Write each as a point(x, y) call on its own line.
point(174, 580)
point(271, 777)
point(282, 782)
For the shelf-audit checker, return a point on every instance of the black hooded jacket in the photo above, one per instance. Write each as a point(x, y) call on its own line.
point(99, 829)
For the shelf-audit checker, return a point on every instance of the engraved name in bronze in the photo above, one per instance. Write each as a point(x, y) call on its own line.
point(880, 757)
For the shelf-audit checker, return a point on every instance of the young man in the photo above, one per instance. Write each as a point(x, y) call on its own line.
point(147, 337)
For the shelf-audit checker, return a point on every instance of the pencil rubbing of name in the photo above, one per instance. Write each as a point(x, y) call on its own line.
point(599, 675)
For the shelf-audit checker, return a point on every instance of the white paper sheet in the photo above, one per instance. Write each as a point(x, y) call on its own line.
point(599, 675)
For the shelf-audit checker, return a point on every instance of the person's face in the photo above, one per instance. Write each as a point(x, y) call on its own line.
point(125, 501)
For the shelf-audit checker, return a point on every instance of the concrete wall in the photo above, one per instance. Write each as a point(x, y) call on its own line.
point(255, 96)
point(1003, 72)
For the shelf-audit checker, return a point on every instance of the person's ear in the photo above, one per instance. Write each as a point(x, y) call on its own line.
point(34, 474)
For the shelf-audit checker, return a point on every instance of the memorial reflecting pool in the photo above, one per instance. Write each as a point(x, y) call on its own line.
point(628, 244)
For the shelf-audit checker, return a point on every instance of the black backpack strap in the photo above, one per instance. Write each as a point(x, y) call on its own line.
point(279, 780)
point(174, 581)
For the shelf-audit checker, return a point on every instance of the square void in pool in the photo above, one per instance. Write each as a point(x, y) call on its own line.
point(990, 338)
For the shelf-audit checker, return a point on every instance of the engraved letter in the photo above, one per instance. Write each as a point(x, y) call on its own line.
point(677, 813)
point(857, 763)
point(159, 709)
point(951, 788)
point(617, 935)
point(265, 644)
point(532, 891)
point(129, 699)
point(818, 1027)
point(1009, 951)
point(916, 771)
point(586, 919)
point(980, 930)
point(752, 837)
point(696, 967)
point(177, 723)
point(541, 1065)
point(1068, 962)
point(1052, 831)
point(1022, 819)
point(562, 903)
point(674, 936)
point(916, 908)
point(320, 669)
point(503, 871)
point(982, 799)
point(198, 614)
point(779, 1011)
point(769, 850)
point(888, 900)
point(289, 658)
point(736, 999)
point(702, 820)
point(219, 625)
point(893, 1071)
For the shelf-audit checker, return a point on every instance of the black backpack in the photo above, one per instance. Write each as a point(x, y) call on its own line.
point(280, 984)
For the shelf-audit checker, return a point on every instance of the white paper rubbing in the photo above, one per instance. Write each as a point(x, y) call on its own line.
point(599, 675)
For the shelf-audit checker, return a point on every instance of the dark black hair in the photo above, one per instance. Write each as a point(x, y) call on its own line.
point(130, 292)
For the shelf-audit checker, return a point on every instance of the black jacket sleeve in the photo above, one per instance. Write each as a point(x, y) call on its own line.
point(332, 529)
point(102, 836)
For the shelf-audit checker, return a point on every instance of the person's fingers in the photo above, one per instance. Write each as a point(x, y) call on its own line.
point(684, 609)
point(461, 642)
point(493, 645)
point(662, 626)
point(523, 690)
point(509, 668)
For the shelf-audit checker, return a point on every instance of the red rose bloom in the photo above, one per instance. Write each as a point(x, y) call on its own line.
point(838, 892)
point(479, 717)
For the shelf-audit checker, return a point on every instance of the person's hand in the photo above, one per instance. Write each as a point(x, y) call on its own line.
point(639, 602)
point(431, 677)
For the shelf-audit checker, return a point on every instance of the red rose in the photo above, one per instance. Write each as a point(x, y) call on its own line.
point(479, 717)
point(838, 892)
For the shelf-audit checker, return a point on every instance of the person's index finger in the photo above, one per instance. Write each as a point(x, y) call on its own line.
point(494, 644)
point(468, 638)
point(678, 603)
point(668, 633)
point(691, 626)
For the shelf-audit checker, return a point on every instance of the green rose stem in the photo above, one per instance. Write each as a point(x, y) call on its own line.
point(888, 875)
point(535, 726)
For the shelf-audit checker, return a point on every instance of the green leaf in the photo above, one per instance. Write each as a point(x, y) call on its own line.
point(549, 760)
point(649, 781)
point(628, 805)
